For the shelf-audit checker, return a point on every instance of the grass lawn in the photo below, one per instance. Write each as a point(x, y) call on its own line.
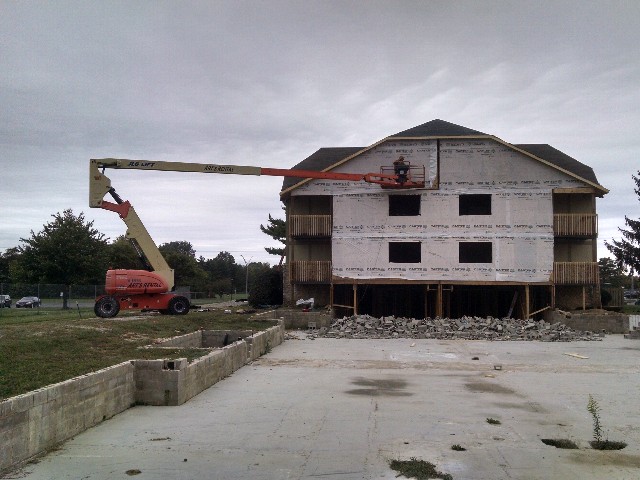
point(44, 346)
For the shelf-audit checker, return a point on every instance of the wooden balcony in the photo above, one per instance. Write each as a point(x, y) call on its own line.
point(575, 224)
point(310, 271)
point(313, 226)
point(576, 273)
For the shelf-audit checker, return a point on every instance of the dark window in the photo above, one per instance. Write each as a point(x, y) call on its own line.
point(404, 205)
point(475, 204)
point(404, 252)
point(475, 252)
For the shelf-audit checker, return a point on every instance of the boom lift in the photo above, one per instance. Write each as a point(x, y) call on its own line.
point(152, 289)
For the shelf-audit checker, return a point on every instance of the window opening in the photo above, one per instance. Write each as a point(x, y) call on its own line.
point(475, 204)
point(475, 252)
point(404, 252)
point(404, 205)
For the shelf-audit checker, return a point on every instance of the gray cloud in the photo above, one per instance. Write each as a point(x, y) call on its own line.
point(267, 83)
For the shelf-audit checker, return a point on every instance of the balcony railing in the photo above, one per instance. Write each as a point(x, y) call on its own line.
point(576, 273)
point(310, 271)
point(575, 224)
point(310, 225)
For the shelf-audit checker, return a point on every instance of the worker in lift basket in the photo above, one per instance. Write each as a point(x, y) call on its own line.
point(400, 169)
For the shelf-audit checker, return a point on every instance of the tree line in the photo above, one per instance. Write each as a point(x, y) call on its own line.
point(70, 251)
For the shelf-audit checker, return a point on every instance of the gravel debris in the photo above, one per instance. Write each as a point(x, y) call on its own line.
point(468, 328)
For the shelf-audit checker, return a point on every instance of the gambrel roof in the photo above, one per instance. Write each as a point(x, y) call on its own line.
point(326, 159)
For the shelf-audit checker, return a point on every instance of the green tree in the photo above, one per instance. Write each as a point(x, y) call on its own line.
point(122, 254)
point(8, 264)
point(627, 250)
point(181, 256)
point(182, 247)
point(68, 251)
point(610, 273)
point(223, 268)
point(265, 285)
point(220, 286)
point(276, 229)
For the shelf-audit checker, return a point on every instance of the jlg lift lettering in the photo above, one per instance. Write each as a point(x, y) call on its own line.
point(141, 164)
point(218, 169)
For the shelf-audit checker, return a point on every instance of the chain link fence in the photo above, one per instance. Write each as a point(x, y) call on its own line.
point(51, 294)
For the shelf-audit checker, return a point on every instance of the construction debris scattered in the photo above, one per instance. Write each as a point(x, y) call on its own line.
point(469, 328)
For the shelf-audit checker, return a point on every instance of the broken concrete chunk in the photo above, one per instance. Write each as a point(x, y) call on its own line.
point(472, 328)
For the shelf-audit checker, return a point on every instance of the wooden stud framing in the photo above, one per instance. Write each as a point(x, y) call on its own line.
point(355, 299)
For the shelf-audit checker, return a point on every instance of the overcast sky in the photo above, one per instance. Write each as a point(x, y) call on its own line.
point(267, 83)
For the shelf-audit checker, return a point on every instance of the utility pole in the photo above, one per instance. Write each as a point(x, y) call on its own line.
point(246, 282)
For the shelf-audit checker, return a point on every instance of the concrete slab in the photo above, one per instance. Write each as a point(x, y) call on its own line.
point(341, 409)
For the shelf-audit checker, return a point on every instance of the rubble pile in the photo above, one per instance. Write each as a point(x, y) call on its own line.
point(469, 328)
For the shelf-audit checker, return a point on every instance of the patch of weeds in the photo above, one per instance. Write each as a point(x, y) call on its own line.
point(560, 443)
point(594, 410)
point(267, 348)
point(133, 471)
point(598, 443)
point(493, 421)
point(458, 448)
point(418, 469)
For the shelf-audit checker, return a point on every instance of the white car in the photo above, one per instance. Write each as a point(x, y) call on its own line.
point(5, 301)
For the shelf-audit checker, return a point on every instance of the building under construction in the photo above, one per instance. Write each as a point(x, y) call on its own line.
point(497, 229)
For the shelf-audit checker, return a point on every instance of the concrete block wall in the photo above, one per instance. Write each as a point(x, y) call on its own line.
point(157, 382)
point(611, 322)
point(222, 338)
point(38, 421)
point(297, 319)
point(163, 382)
point(205, 339)
point(189, 340)
point(210, 369)
point(261, 342)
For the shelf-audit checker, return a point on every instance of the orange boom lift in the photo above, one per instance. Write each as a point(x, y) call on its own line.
point(152, 289)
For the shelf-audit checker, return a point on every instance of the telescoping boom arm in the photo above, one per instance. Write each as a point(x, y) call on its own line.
point(390, 179)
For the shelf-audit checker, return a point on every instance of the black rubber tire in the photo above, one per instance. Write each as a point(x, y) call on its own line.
point(106, 307)
point(179, 305)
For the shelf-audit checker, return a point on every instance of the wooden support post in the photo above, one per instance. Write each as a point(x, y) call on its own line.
point(513, 303)
point(527, 301)
point(426, 301)
point(293, 285)
point(439, 301)
point(553, 296)
point(584, 297)
point(331, 298)
point(355, 299)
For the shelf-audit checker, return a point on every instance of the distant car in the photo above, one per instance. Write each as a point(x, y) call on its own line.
point(28, 302)
point(5, 301)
